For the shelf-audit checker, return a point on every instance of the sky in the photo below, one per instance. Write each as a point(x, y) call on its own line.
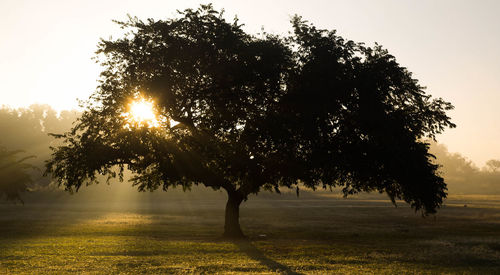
point(451, 46)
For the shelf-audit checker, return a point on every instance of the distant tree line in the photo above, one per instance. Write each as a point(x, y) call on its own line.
point(463, 176)
point(25, 146)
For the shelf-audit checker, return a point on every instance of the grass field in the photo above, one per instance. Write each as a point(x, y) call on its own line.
point(314, 235)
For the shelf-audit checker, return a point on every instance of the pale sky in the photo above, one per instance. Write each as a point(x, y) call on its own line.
point(452, 47)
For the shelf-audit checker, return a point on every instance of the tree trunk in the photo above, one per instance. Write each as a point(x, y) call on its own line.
point(232, 227)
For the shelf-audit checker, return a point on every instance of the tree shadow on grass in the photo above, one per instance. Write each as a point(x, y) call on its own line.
point(248, 248)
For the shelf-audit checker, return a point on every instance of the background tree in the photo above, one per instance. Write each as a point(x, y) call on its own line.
point(14, 174)
point(493, 164)
point(249, 113)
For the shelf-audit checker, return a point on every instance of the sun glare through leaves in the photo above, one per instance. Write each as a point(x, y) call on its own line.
point(141, 113)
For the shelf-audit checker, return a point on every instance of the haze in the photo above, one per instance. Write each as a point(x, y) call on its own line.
point(450, 46)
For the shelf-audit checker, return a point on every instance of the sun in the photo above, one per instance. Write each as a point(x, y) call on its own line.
point(141, 112)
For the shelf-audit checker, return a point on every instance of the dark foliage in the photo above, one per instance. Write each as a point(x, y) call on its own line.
point(255, 113)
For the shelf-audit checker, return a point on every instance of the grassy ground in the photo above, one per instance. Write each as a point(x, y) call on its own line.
point(289, 236)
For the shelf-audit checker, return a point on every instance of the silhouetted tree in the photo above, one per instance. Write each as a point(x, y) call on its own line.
point(14, 174)
point(255, 113)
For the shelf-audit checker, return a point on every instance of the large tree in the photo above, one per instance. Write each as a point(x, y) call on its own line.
point(247, 113)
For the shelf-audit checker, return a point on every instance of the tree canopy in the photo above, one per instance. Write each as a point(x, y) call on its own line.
point(249, 112)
